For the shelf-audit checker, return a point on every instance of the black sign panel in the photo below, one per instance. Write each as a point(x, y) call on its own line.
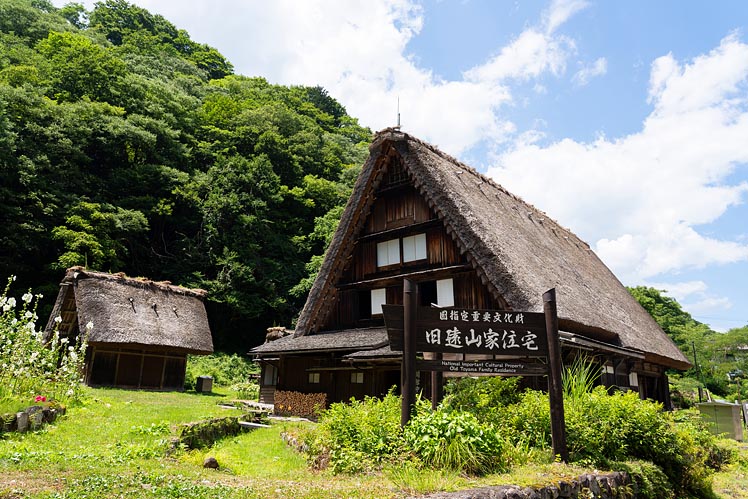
point(455, 330)
point(493, 367)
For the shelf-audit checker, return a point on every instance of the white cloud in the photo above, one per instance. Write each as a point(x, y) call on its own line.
point(528, 56)
point(357, 50)
point(641, 198)
point(560, 11)
point(681, 290)
point(584, 75)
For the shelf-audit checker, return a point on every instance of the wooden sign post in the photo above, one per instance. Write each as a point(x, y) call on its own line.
point(555, 388)
point(409, 351)
point(513, 335)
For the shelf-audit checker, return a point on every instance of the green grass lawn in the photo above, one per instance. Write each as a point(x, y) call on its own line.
point(117, 444)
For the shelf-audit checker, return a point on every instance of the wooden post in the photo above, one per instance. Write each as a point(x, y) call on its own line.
point(408, 379)
point(437, 384)
point(555, 389)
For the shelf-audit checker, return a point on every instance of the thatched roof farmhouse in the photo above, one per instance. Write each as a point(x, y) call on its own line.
point(416, 212)
point(143, 330)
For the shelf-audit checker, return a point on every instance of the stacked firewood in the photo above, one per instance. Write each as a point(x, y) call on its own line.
point(305, 405)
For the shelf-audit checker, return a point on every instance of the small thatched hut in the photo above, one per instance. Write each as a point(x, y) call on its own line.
point(142, 330)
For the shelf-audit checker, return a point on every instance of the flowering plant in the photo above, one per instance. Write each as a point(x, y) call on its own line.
point(31, 363)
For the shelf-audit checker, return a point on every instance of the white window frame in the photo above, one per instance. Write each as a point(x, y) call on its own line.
point(378, 298)
point(313, 378)
point(445, 293)
point(414, 248)
point(357, 378)
point(388, 253)
point(270, 377)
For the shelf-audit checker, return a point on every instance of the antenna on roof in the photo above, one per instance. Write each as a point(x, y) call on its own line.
point(398, 113)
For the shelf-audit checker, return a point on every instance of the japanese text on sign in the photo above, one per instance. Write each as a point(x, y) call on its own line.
point(493, 317)
point(499, 340)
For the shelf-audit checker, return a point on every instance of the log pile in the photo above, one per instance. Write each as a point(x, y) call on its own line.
point(305, 405)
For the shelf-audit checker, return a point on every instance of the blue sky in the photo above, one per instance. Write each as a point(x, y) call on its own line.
point(625, 121)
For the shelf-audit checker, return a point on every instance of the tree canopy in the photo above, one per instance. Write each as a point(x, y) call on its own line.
point(128, 147)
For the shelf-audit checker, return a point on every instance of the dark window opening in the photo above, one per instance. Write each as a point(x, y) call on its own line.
point(427, 293)
point(364, 304)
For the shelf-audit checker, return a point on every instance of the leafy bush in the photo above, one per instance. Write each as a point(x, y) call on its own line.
point(456, 441)
point(359, 435)
point(33, 368)
point(225, 369)
point(246, 390)
point(481, 396)
point(650, 481)
point(528, 422)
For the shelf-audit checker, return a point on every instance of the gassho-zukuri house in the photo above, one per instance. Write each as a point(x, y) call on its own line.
point(142, 330)
point(467, 243)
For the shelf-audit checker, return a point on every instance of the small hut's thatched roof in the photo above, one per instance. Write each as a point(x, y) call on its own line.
point(134, 312)
point(517, 251)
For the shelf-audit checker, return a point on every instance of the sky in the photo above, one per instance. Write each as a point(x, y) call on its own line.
point(627, 122)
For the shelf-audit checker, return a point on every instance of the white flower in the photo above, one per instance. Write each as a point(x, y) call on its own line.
point(9, 303)
point(58, 319)
point(89, 326)
point(27, 315)
point(27, 297)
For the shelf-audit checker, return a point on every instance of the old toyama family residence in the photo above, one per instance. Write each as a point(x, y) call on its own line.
point(415, 213)
point(418, 214)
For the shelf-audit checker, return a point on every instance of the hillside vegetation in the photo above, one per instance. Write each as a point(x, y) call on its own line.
point(128, 147)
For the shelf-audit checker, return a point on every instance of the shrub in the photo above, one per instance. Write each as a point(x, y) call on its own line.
point(33, 368)
point(225, 369)
point(456, 441)
point(246, 390)
point(650, 481)
point(527, 422)
point(360, 435)
point(481, 396)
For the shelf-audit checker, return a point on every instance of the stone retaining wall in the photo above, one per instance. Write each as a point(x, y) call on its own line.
point(615, 485)
point(29, 419)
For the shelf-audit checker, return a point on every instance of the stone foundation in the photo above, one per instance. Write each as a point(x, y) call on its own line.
point(614, 485)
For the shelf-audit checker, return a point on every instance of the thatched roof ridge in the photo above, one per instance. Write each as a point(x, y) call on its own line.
point(132, 312)
point(141, 282)
point(517, 251)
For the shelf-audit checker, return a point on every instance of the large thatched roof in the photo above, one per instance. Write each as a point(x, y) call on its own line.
point(134, 312)
point(516, 250)
point(345, 340)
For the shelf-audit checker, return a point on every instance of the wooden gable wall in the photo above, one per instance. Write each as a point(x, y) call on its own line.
point(400, 211)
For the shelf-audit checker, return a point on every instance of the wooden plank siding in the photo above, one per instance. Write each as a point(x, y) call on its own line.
point(398, 208)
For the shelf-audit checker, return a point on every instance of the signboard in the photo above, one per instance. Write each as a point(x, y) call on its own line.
point(493, 367)
point(497, 332)
point(413, 329)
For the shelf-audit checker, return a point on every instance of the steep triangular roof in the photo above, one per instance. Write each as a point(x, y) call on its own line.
point(517, 251)
point(131, 311)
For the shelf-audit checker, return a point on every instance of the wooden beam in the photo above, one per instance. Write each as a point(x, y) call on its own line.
point(390, 233)
point(419, 275)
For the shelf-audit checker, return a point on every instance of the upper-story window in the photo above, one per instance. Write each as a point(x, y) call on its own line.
point(388, 253)
point(414, 248)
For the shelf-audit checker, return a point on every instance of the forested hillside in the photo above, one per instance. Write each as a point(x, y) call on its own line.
point(126, 146)
point(720, 360)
